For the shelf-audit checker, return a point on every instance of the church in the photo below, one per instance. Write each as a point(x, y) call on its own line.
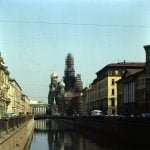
point(65, 97)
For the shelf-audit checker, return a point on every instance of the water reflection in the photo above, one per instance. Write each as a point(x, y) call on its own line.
point(56, 135)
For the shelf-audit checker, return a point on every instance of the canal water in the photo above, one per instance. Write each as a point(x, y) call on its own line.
point(57, 135)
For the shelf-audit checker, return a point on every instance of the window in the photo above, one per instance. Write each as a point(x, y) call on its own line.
point(116, 72)
point(110, 72)
point(123, 71)
point(112, 102)
point(113, 81)
point(113, 111)
point(113, 92)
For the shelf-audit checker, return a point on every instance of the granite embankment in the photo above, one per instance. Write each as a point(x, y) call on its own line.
point(16, 133)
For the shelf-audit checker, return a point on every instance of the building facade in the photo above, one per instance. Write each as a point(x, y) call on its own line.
point(88, 98)
point(11, 98)
point(91, 97)
point(11, 95)
point(134, 89)
point(4, 87)
point(102, 92)
point(25, 104)
point(15, 95)
point(77, 105)
point(19, 103)
point(38, 108)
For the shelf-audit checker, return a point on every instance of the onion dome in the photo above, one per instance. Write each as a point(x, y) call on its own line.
point(54, 75)
point(69, 55)
point(62, 84)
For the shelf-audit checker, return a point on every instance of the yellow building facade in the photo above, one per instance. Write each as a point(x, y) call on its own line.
point(15, 94)
point(108, 94)
point(11, 98)
point(87, 96)
point(112, 94)
point(25, 104)
point(106, 79)
point(4, 87)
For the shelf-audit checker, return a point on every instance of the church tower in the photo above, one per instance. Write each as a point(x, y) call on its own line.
point(78, 83)
point(69, 73)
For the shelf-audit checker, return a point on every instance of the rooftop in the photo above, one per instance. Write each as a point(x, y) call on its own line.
point(124, 65)
point(133, 71)
point(127, 64)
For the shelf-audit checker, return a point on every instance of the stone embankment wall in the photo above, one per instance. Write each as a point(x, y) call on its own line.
point(18, 138)
point(124, 129)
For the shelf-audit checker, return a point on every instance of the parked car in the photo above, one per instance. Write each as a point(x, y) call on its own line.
point(144, 115)
point(96, 113)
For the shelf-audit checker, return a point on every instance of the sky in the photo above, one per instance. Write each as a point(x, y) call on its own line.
point(36, 36)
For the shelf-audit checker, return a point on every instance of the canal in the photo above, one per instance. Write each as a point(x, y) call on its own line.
point(57, 135)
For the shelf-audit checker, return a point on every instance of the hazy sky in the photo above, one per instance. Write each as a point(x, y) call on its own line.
point(36, 35)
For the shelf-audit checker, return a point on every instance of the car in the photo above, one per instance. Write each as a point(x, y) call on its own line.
point(145, 115)
point(96, 113)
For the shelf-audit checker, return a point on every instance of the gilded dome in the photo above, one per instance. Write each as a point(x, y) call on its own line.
point(54, 75)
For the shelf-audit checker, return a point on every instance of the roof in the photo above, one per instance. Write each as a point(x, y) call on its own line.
point(37, 101)
point(13, 80)
point(124, 65)
point(133, 71)
point(121, 64)
point(130, 73)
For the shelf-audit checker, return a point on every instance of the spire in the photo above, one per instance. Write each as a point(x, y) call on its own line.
point(69, 73)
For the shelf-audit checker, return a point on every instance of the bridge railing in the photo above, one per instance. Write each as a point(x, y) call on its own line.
point(9, 124)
